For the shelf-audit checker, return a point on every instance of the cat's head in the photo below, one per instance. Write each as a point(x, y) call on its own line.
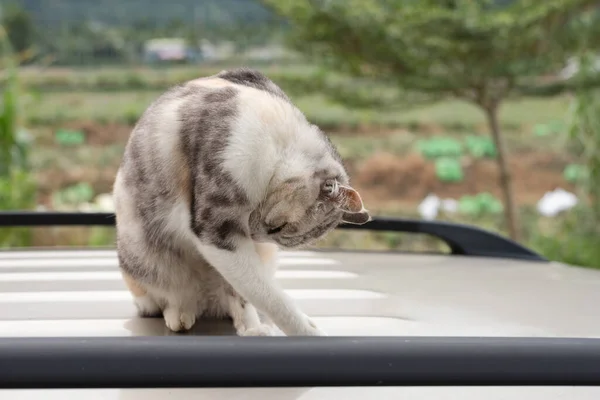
point(301, 210)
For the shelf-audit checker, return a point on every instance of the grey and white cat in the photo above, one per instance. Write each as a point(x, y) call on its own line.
point(218, 173)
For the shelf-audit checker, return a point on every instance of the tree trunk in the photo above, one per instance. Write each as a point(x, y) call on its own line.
point(510, 208)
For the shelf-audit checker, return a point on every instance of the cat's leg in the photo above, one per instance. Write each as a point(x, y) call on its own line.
point(145, 303)
point(242, 267)
point(268, 253)
point(245, 318)
point(268, 321)
point(180, 311)
point(178, 320)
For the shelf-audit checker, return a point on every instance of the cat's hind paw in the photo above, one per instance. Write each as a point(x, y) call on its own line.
point(147, 307)
point(178, 321)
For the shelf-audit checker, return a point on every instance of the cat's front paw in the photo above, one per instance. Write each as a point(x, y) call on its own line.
point(260, 330)
point(312, 329)
point(178, 321)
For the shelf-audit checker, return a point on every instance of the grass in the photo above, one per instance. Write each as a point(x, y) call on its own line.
point(89, 77)
point(52, 157)
point(121, 94)
point(126, 106)
point(514, 113)
point(357, 147)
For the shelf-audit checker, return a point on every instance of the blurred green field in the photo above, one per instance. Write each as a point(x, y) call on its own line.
point(378, 134)
point(80, 99)
point(121, 94)
point(126, 106)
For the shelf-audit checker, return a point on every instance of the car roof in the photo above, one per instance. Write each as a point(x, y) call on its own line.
point(79, 293)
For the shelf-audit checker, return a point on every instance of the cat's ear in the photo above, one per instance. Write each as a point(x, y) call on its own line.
point(348, 200)
point(358, 218)
point(354, 209)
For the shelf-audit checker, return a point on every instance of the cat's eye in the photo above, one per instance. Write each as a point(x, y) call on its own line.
point(330, 186)
point(276, 230)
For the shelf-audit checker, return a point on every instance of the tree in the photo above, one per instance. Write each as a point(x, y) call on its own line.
point(478, 51)
point(19, 27)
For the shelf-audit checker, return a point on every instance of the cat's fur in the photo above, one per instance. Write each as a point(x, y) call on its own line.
point(217, 174)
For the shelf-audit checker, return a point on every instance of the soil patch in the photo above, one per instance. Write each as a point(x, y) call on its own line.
point(384, 177)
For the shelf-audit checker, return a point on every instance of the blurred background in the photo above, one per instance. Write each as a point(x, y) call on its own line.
point(479, 112)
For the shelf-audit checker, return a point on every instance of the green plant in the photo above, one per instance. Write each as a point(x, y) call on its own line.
point(568, 241)
point(577, 238)
point(480, 147)
point(440, 147)
point(17, 192)
point(17, 186)
point(67, 137)
point(553, 127)
point(575, 173)
point(449, 169)
point(481, 204)
point(73, 195)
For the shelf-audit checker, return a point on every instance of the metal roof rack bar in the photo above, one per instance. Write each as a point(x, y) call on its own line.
point(462, 239)
point(196, 361)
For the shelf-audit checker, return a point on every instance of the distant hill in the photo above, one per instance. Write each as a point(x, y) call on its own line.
point(53, 13)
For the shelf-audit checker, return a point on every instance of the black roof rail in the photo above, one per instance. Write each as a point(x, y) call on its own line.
point(205, 361)
point(462, 239)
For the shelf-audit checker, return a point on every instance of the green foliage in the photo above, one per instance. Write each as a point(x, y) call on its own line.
point(471, 49)
point(478, 205)
point(478, 51)
point(19, 27)
point(17, 192)
point(551, 128)
point(17, 186)
point(480, 147)
point(568, 241)
point(73, 195)
point(576, 240)
point(449, 169)
point(575, 173)
point(302, 80)
point(9, 118)
point(68, 137)
point(440, 147)
point(583, 227)
point(102, 237)
point(585, 137)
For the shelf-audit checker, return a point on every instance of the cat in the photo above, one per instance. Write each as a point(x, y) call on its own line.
point(218, 174)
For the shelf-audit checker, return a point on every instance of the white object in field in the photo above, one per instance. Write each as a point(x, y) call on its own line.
point(450, 205)
point(104, 202)
point(429, 207)
point(552, 203)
